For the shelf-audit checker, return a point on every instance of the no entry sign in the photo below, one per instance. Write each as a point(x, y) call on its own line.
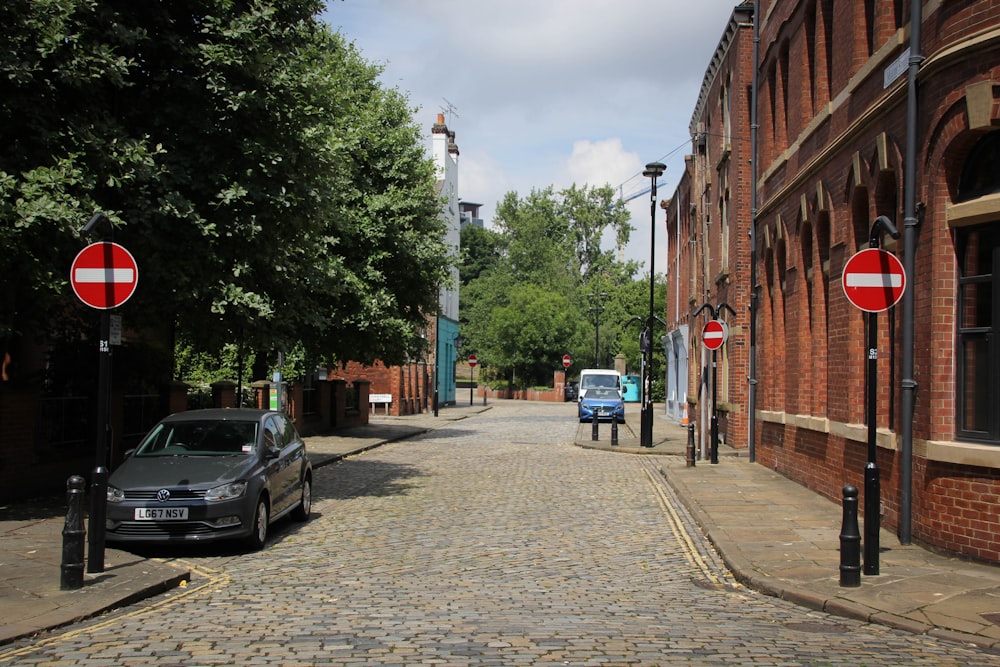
point(473, 361)
point(714, 334)
point(566, 361)
point(874, 280)
point(104, 275)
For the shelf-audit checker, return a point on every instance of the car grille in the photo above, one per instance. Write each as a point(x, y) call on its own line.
point(175, 494)
point(165, 529)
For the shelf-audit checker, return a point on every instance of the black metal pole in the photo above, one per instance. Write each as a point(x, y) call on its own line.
point(873, 492)
point(910, 222)
point(754, 171)
point(715, 414)
point(689, 454)
point(99, 483)
point(653, 171)
point(597, 333)
point(472, 382)
point(872, 483)
point(437, 361)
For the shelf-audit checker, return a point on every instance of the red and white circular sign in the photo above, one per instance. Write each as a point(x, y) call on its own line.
point(473, 361)
point(714, 334)
point(104, 275)
point(566, 361)
point(874, 280)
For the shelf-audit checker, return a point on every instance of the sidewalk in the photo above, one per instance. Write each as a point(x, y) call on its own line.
point(775, 535)
point(782, 539)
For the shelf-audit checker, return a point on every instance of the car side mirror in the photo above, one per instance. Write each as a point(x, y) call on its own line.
point(272, 453)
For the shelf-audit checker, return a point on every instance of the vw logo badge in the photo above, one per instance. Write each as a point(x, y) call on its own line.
point(163, 495)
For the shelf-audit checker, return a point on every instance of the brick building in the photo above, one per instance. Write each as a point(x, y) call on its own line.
point(838, 128)
point(832, 158)
point(708, 268)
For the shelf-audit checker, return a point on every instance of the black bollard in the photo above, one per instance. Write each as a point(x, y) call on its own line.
point(614, 432)
point(689, 458)
point(850, 540)
point(74, 536)
point(593, 429)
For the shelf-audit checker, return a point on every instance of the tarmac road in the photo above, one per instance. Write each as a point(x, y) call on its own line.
point(490, 541)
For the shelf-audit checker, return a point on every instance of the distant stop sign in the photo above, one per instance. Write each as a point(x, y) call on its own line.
point(874, 280)
point(714, 334)
point(104, 275)
point(473, 361)
point(566, 361)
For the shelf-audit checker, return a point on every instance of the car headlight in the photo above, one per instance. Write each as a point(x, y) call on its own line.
point(226, 491)
point(115, 495)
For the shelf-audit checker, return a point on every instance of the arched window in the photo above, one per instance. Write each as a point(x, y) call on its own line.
point(981, 172)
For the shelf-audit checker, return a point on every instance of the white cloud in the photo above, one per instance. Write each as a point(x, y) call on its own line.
point(599, 163)
point(549, 92)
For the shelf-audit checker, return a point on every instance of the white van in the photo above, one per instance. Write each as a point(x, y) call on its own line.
point(599, 377)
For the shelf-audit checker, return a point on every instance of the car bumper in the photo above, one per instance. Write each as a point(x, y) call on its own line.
point(603, 414)
point(205, 522)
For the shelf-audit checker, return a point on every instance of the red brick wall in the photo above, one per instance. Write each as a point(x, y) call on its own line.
point(839, 173)
point(410, 385)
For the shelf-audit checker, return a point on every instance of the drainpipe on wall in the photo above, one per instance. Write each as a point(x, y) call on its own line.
point(752, 400)
point(910, 221)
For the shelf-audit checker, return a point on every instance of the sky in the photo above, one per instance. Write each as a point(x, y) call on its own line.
point(546, 93)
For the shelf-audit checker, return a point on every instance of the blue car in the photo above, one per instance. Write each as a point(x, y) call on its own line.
point(604, 403)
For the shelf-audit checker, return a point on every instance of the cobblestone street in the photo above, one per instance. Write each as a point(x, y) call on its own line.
point(492, 541)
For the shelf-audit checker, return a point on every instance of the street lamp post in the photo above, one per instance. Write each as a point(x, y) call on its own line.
point(459, 342)
point(653, 171)
point(598, 307)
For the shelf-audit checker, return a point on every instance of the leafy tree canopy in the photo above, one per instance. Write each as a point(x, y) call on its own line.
point(270, 189)
point(541, 285)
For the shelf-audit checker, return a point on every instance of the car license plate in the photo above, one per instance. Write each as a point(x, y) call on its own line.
point(161, 513)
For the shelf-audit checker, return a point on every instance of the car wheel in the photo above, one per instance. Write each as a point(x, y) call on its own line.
point(258, 536)
point(301, 512)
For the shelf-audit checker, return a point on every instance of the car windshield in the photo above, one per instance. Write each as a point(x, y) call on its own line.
point(200, 438)
point(602, 393)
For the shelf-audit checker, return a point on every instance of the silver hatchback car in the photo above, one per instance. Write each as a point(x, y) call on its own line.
point(210, 475)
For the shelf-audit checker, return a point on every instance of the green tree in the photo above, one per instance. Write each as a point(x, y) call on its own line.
point(527, 335)
point(548, 249)
point(272, 191)
point(590, 213)
point(481, 250)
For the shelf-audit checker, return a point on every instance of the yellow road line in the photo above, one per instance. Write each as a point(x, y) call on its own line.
point(677, 527)
point(214, 581)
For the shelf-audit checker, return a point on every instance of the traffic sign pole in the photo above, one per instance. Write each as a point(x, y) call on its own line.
point(103, 276)
point(99, 482)
point(873, 491)
point(713, 336)
point(873, 280)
